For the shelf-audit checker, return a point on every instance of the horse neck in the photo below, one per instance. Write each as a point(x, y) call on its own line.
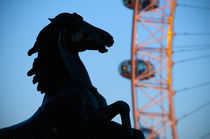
point(57, 77)
point(78, 78)
point(81, 75)
point(77, 73)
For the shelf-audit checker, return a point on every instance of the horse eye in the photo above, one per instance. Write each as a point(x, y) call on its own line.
point(86, 35)
point(76, 36)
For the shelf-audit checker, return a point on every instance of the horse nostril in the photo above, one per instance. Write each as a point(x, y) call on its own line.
point(108, 39)
point(110, 42)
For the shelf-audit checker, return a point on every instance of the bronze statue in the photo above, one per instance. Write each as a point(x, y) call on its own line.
point(72, 107)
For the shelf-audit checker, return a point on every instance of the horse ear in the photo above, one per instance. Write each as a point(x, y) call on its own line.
point(51, 19)
point(76, 16)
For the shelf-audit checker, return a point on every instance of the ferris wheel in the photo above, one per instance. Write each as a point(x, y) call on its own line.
point(150, 67)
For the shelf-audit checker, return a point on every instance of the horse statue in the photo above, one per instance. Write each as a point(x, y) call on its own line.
point(72, 107)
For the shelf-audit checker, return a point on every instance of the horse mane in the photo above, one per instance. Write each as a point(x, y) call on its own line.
point(48, 68)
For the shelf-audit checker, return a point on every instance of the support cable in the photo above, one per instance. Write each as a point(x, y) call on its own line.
point(195, 110)
point(197, 33)
point(190, 50)
point(193, 87)
point(192, 59)
point(193, 6)
point(205, 136)
point(183, 46)
point(190, 46)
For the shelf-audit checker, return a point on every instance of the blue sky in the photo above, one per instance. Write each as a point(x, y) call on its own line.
point(22, 20)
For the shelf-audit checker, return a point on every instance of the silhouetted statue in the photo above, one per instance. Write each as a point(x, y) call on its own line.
point(72, 107)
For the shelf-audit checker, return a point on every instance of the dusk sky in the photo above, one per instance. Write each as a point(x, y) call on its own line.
point(22, 20)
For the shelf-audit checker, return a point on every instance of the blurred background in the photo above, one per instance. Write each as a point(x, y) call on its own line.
point(21, 21)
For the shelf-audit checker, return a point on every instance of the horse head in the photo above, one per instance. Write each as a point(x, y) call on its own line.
point(58, 45)
point(82, 35)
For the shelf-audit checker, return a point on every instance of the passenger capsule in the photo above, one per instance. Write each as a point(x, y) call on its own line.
point(144, 5)
point(143, 68)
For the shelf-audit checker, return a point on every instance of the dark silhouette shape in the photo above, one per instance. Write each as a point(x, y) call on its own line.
point(72, 107)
